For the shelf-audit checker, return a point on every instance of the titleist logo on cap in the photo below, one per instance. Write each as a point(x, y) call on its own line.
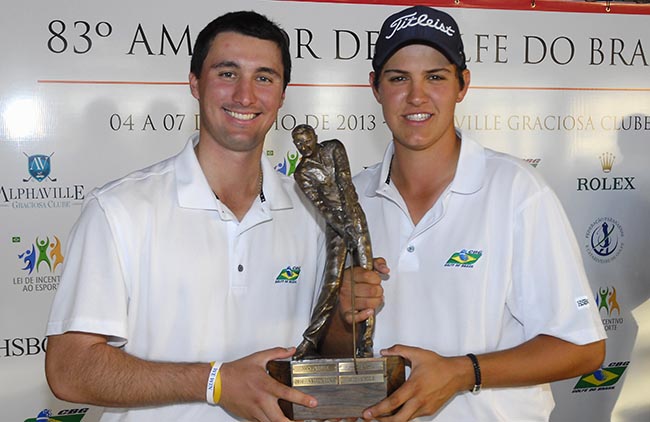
point(408, 21)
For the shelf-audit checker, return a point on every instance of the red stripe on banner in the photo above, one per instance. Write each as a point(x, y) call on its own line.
point(72, 82)
point(299, 85)
point(330, 85)
point(542, 88)
point(577, 6)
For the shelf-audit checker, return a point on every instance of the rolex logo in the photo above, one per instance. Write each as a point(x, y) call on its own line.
point(606, 182)
point(607, 161)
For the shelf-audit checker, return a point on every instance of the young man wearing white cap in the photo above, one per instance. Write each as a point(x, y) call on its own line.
point(487, 295)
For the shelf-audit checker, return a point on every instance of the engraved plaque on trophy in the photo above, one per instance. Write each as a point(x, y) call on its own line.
point(344, 387)
point(341, 391)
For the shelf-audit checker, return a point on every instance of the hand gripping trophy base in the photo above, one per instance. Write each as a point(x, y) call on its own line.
point(344, 387)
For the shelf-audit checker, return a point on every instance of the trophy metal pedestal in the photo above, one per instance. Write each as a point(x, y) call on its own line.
point(341, 390)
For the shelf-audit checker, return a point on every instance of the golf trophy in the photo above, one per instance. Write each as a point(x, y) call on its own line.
point(343, 386)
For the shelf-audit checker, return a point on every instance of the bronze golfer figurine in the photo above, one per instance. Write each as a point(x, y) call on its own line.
point(344, 387)
point(323, 174)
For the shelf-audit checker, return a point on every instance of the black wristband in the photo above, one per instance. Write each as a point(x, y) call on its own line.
point(477, 373)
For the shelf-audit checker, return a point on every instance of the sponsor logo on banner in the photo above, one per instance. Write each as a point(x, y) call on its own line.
point(608, 307)
point(606, 183)
point(19, 347)
point(39, 167)
point(289, 275)
point(39, 188)
point(604, 239)
point(602, 379)
point(533, 161)
point(288, 164)
point(39, 263)
point(465, 258)
point(65, 415)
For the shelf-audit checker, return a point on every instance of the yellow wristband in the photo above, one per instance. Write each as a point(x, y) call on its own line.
point(217, 388)
point(213, 388)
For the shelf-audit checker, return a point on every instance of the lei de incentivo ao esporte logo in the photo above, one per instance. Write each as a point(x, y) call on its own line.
point(39, 263)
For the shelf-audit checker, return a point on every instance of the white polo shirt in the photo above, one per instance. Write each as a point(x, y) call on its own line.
point(491, 265)
point(157, 263)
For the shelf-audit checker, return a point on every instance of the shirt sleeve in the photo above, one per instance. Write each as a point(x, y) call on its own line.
point(551, 293)
point(92, 295)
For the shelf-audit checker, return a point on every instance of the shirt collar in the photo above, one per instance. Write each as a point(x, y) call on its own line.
point(194, 191)
point(471, 167)
point(470, 170)
point(192, 187)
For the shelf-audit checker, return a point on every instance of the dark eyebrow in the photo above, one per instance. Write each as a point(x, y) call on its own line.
point(404, 72)
point(270, 70)
point(233, 64)
point(225, 63)
point(440, 69)
point(400, 72)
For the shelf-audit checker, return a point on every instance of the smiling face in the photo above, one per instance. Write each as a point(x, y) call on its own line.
point(418, 90)
point(240, 91)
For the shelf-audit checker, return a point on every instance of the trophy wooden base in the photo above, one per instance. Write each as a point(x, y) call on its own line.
point(341, 391)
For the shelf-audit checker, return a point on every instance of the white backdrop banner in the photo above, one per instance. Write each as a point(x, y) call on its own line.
point(92, 90)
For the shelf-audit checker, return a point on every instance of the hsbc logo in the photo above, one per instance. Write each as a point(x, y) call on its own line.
point(22, 346)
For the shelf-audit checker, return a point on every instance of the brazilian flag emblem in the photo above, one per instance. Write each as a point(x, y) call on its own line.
point(464, 257)
point(602, 377)
point(288, 275)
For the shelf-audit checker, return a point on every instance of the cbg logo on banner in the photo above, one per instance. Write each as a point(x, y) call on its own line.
point(38, 188)
point(38, 262)
point(65, 415)
point(602, 379)
point(533, 161)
